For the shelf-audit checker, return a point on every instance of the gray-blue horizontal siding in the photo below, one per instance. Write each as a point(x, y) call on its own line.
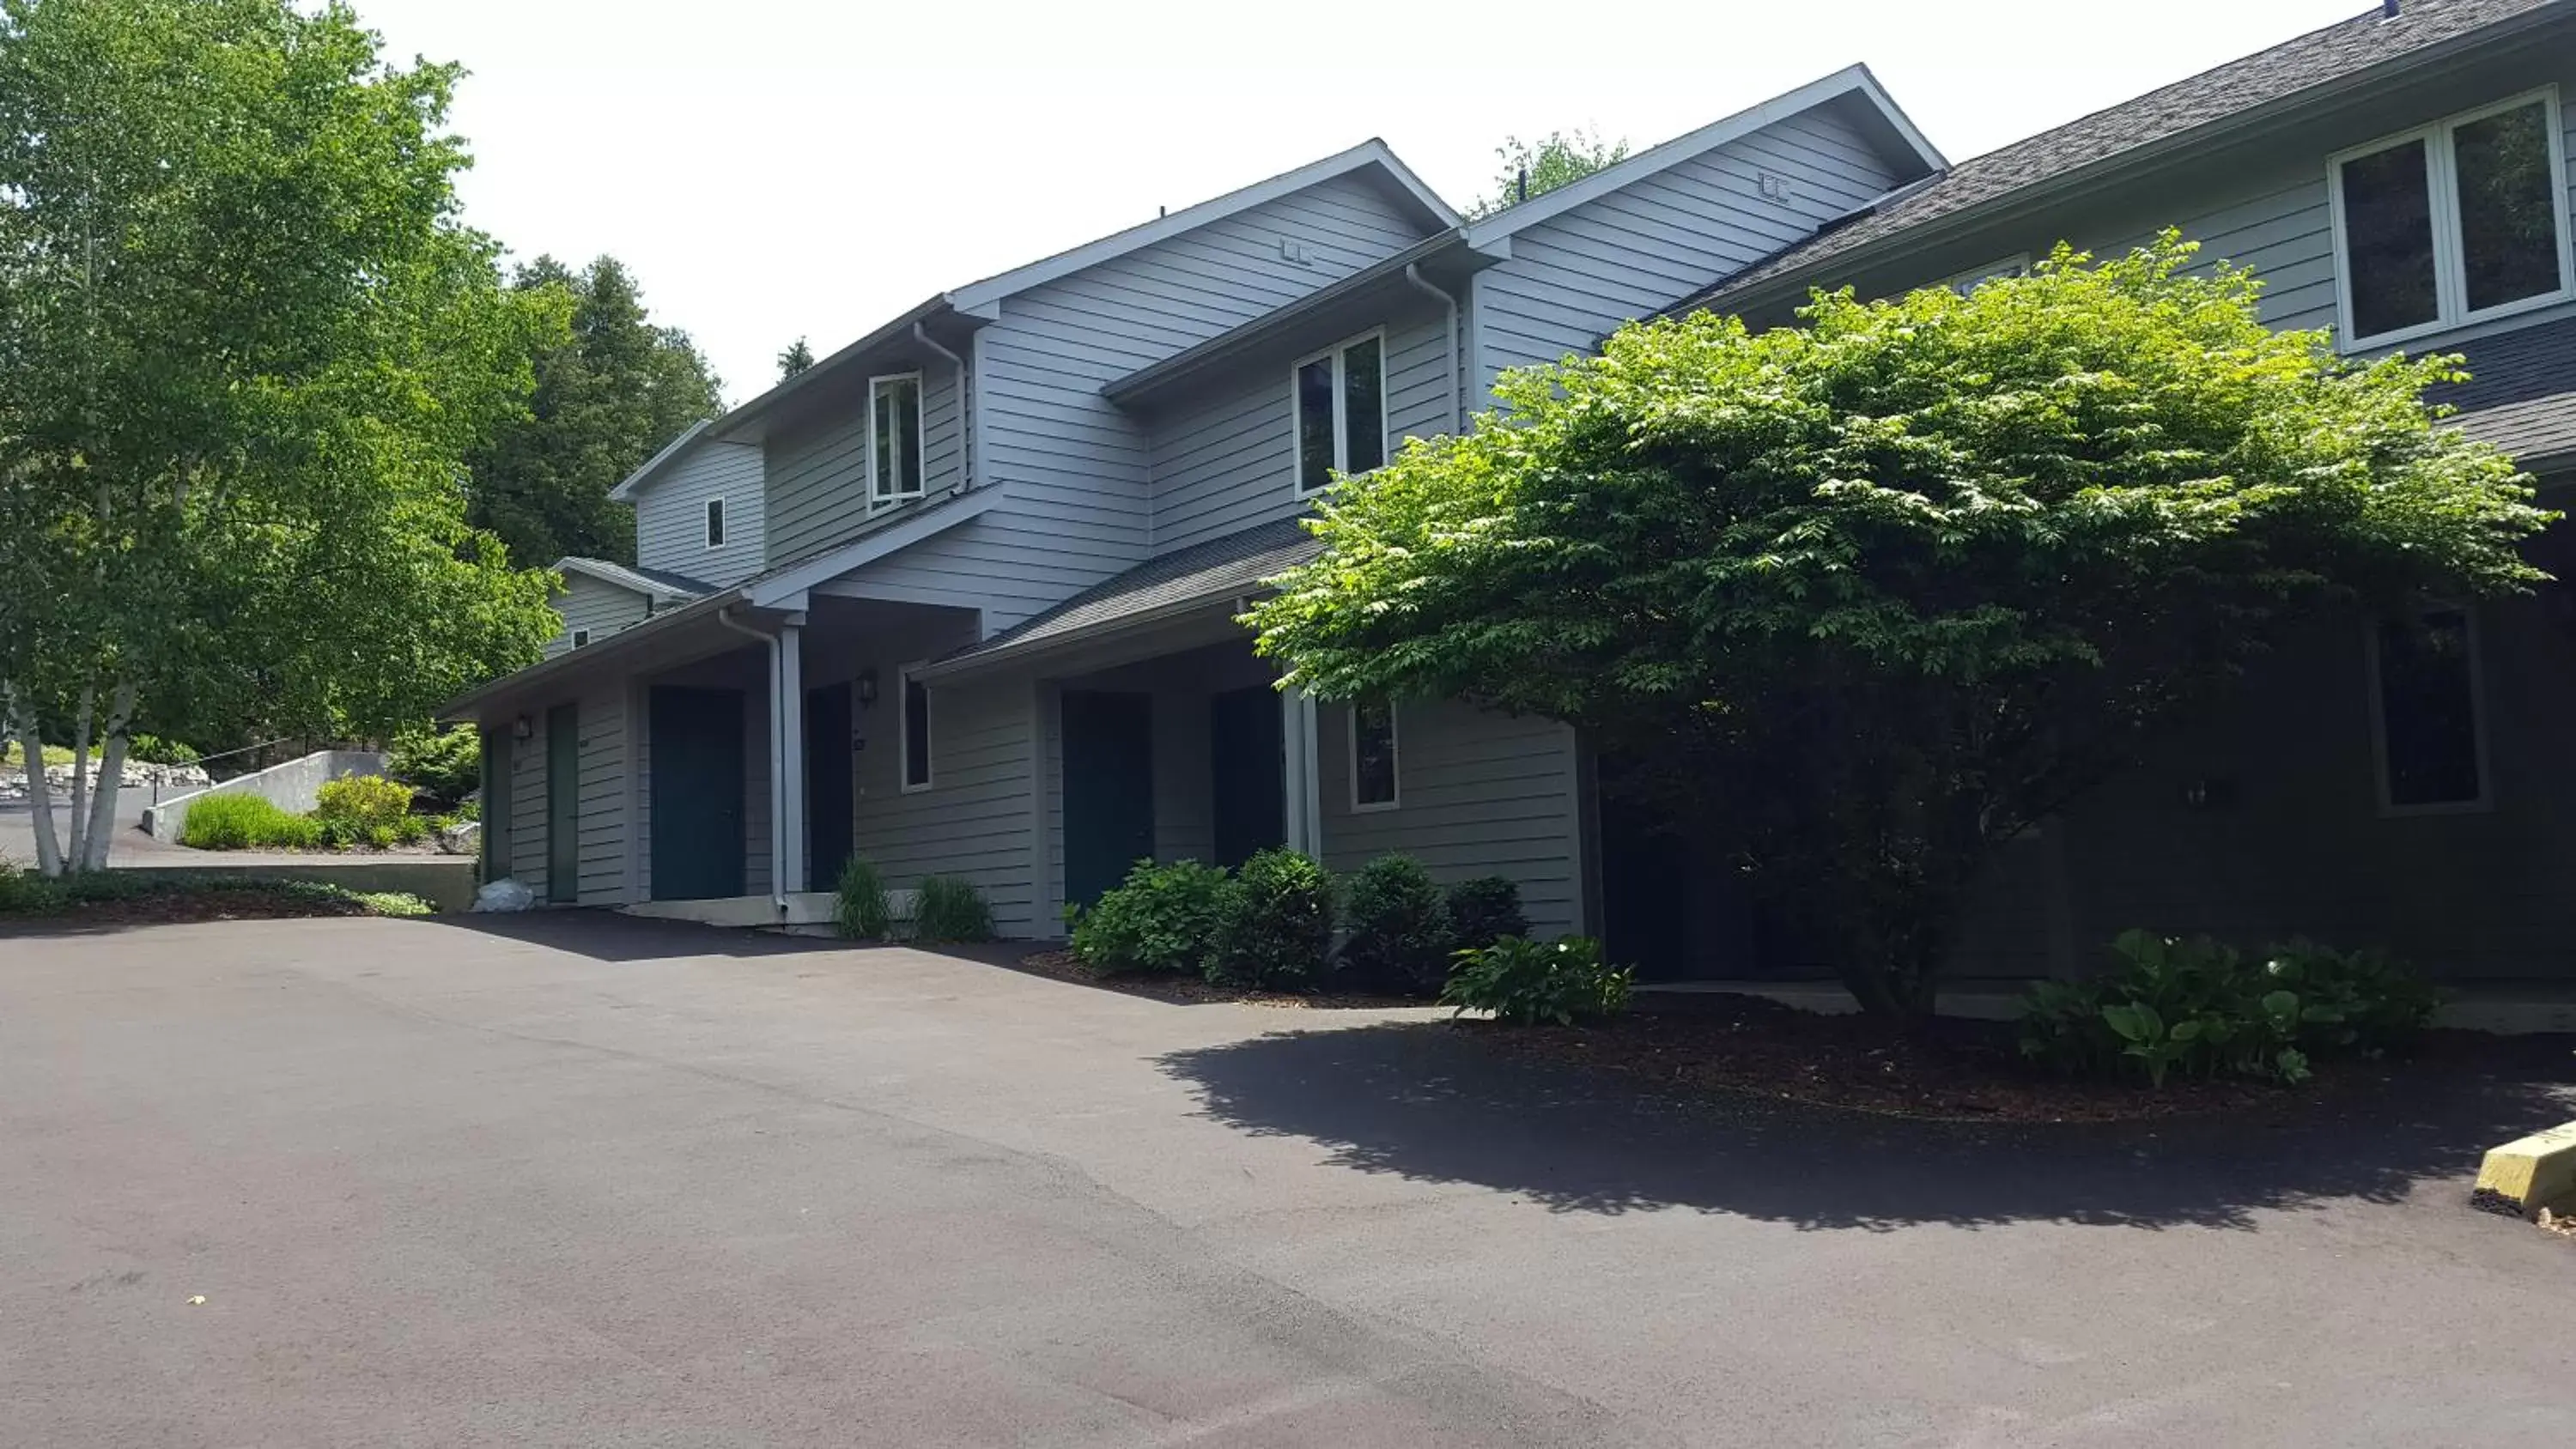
point(1078, 468)
point(602, 608)
point(1478, 794)
point(671, 516)
point(816, 468)
point(2261, 203)
point(1230, 462)
point(973, 819)
point(1648, 244)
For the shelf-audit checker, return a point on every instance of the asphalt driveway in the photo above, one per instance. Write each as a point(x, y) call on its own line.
point(585, 1181)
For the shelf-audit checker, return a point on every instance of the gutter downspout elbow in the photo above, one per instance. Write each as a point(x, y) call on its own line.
point(1457, 396)
point(965, 400)
point(777, 755)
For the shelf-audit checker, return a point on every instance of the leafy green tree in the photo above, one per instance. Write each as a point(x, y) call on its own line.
point(1877, 593)
point(1564, 157)
point(795, 359)
point(609, 397)
point(244, 349)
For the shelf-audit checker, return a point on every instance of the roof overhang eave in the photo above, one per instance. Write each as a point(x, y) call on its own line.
point(620, 645)
point(1797, 280)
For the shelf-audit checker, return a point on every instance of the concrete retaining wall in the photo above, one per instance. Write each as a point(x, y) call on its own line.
point(295, 786)
point(445, 881)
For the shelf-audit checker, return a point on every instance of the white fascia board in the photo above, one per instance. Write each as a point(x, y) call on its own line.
point(634, 482)
point(788, 587)
point(1851, 80)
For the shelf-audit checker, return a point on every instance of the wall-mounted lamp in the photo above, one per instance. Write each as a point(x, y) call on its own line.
point(523, 728)
point(865, 687)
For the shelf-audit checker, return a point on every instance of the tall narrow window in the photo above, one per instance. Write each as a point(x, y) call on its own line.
point(1373, 755)
point(2460, 220)
point(1340, 398)
point(2424, 672)
point(916, 732)
point(894, 438)
point(715, 523)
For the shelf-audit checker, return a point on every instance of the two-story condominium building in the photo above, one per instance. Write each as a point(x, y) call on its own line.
point(961, 597)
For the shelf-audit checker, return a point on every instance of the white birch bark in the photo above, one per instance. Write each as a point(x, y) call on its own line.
point(74, 837)
point(111, 779)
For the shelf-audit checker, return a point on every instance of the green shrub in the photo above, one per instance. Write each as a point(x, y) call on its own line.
point(365, 801)
point(950, 908)
point(1485, 910)
point(1161, 918)
point(445, 765)
point(2204, 1009)
point(1400, 937)
point(859, 908)
point(154, 750)
point(1523, 982)
point(1274, 923)
point(25, 893)
point(245, 822)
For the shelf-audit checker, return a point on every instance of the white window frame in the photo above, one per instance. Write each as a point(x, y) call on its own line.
point(2450, 276)
point(716, 523)
point(903, 730)
point(1395, 747)
point(921, 404)
point(2485, 799)
point(2016, 265)
point(1341, 412)
point(580, 637)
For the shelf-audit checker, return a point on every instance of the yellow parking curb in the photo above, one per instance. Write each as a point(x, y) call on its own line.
point(2531, 1173)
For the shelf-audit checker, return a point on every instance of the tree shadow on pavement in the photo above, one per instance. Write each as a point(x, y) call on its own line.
point(1425, 1101)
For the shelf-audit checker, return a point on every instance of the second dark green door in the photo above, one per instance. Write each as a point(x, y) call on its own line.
point(563, 803)
point(697, 785)
point(1108, 789)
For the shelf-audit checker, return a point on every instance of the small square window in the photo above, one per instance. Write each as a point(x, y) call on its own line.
point(916, 731)
point(715, 523)
point(2424, 686)
point(1340, 401)
point(1373, 755)
point(894, 439)
point(580, 637)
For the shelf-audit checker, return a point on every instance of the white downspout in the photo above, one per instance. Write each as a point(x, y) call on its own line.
point(777, 763)
point(1457, 396)
point(967, 403)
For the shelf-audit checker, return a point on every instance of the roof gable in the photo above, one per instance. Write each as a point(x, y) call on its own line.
point(1853, 81)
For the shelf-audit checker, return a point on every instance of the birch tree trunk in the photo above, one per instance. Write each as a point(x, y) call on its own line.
point(73, 836)
point(40, 795)
point(111, 779)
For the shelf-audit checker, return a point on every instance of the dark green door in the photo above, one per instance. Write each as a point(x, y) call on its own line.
point(829, 800)
point(1108, 789)
point(496, 804)
point(563, 803)
point(1248, 796)
point(697, 787)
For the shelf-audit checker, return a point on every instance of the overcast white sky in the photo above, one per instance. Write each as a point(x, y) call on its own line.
point(772, 168)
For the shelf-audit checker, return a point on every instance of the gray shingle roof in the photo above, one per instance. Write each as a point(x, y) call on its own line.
point(2315, 59)
point(641, 580)
point(2521, 392)
point(1218, 569)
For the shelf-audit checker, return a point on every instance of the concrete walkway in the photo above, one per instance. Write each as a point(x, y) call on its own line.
point(587, 1180)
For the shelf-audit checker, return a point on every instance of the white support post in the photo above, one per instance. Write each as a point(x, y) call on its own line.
point(1301, 773)
point(787, 781)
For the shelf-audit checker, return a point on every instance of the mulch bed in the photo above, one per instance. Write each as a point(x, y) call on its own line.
point(1948, 1069)
point(1193, 991)
point(183, 907)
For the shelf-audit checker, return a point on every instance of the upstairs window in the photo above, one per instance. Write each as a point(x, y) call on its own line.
point(2461, 220)
point(894, 439)
point(715, 523)
point(2424, 680)
point(580, 637)
point(1340, 398)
